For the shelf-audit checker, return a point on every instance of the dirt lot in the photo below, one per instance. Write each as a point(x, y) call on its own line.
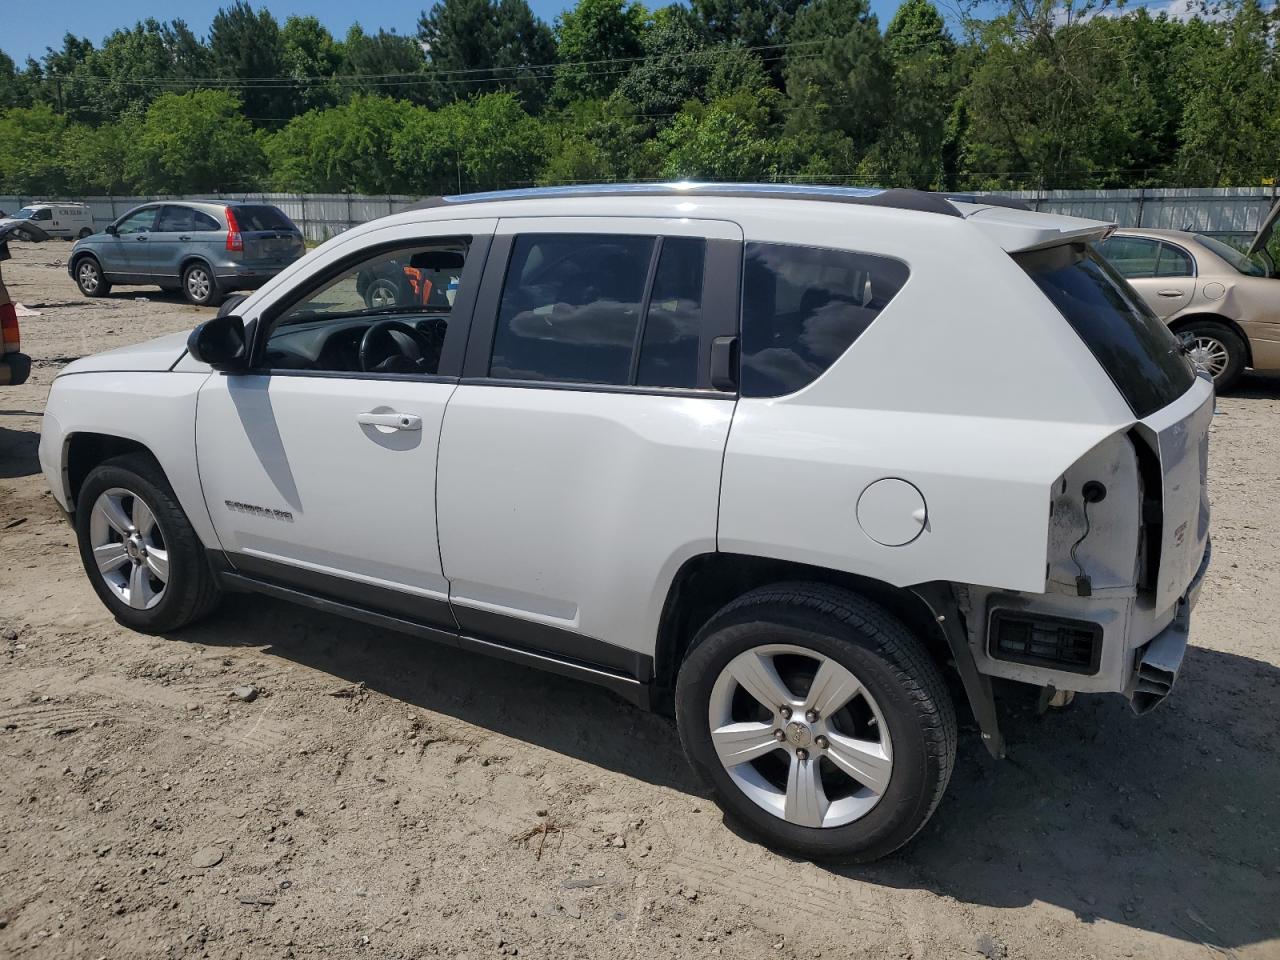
point(388, 798)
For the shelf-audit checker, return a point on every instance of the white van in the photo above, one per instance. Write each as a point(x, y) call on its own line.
point(68, 221)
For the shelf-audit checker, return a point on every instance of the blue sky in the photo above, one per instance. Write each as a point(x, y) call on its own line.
point(28, 26)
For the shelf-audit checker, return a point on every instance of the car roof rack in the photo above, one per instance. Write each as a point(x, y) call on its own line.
point(899, 199)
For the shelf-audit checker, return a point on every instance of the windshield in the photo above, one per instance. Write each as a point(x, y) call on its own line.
point(1250, 267)
point(26, 213)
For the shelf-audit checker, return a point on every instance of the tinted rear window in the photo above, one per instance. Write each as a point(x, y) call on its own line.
point(801, 309)
point(253, 219)
point(1136, 349)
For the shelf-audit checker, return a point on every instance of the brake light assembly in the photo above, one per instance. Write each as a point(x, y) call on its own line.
point(235, 240)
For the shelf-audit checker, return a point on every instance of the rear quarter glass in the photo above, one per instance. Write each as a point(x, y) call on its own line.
point(1138, 352)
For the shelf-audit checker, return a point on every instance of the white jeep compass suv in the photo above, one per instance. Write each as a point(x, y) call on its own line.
point(781, 459)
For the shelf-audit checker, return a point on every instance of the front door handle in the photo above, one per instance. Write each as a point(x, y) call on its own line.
point(396, 421)
point(142, 236)
point(184, 237)
point(1169, 293)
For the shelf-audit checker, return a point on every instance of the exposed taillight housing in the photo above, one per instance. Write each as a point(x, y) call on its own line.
point(9, 333)
point(235, 241)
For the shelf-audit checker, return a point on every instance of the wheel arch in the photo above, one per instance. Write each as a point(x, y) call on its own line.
point(84, 450)
point(76, 259)
point(1182, 322)
point(707, 582)
point(191, 260)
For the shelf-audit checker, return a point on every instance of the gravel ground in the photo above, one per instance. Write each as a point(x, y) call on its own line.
point(383, 797)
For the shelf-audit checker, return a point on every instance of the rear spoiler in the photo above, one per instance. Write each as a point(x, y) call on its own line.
point(1018, 231)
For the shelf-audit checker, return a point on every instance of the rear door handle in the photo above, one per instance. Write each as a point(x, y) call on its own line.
point(396, 421)
point(1169, 293)
point(184, 237)
point(142, 236)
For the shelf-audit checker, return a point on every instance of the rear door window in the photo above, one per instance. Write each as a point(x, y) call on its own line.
point(614, 310)
point(256, 218)
point(1131, 344)
point(1133, 257)
point(802, 307)
point(1174, 262)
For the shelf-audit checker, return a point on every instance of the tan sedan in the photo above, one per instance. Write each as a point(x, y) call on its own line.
point(1223, 303)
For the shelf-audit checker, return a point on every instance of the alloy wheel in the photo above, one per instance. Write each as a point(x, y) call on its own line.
point(129, 548)
point(382, 293)
point(1208, 353)
point(198, 284)
point(88, 276)
point(800, 735)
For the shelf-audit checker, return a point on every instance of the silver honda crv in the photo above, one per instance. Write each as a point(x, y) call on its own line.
point(204, 249)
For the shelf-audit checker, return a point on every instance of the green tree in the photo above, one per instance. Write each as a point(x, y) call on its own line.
point(1230, 129)
point(750, 23)
point(910, 150)
point(487, 46)
point(385, 64)
point(838, 63)
point(734, 138)
point(599, 42)
point(483, 143)
point(136, 65)
point(195, 142)
point(31, 150)
point(311, 57)
point(245, 48)
point(13, 92)
point(347, 148)
point(676, 65)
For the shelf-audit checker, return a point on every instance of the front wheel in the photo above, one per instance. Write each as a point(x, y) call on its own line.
point(819, 720)
point(142, 556)
point(89, 278)
point(1216, 349)
point(200, 286)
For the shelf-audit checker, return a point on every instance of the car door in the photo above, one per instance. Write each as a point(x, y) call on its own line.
point(580, 456)
point(1174, 284)
point(166, 242)
point(128, 253)
point(318, 466)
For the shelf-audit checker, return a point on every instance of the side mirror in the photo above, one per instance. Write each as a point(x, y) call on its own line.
point(220, 343)
point(110, 228)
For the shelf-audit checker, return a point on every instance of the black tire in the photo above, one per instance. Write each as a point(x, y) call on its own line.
point(90, 279)
point(384, 292)
point(890, 663)
point(191, 591)
point(200, 286)
point(84, 232)
point(1237, 353)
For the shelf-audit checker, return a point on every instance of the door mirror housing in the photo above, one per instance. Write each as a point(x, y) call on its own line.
point(110, 228)
point(220, 343)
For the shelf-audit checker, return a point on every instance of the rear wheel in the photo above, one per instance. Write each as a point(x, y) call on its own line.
point(200, 286)
point(89, 278)
point(1216, 349)
point(84, 232)
point(819, 721)
point(142, 556)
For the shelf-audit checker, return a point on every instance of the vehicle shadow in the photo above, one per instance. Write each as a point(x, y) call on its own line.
point(19, 451)
point(1166, 823)
point(1256, 386)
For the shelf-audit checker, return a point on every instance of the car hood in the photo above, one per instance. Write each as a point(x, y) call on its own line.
point(153, 355)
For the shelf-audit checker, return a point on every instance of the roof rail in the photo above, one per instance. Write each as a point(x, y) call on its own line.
point(896, 198)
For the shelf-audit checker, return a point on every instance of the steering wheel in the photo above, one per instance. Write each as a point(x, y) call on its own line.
point(408, 358)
